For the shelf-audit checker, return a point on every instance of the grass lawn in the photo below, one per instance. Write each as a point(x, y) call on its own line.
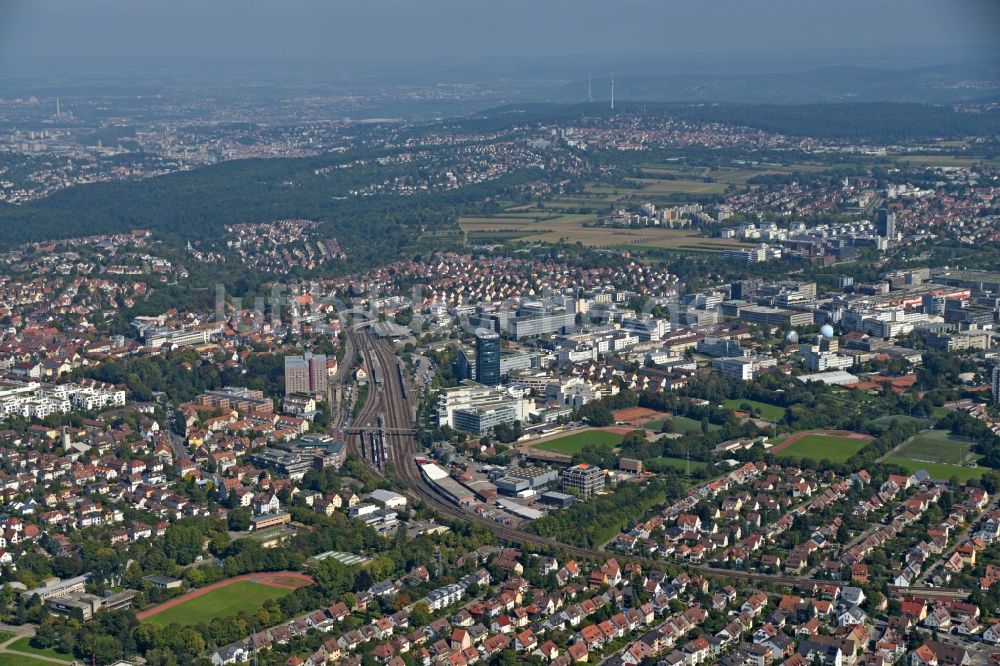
point(938, 470)
point(938, 446)
point(680, 463)
point(904, 418)
point(8, 659)
point(574, 443)
point(6, 636)
point(24, 645)
point(828, 447)
point(655, 424)
point(940, 412)
point(229, 600)
point(767, 412)
point(682, 424)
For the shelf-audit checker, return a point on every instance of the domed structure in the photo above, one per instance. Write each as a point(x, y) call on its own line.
point(826, 331)
point(792, 338)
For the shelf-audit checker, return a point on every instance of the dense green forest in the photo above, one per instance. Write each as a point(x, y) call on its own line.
point(196, 204)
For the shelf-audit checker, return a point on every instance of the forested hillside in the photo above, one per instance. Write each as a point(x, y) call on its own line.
point(197, 204)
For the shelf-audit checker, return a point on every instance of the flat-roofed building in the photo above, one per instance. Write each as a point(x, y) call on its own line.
point(583, 479)
point(775, 316)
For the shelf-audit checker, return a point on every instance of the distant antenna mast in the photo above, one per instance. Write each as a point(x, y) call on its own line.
point(58, 112)
point(590, 97)
point(612, 91)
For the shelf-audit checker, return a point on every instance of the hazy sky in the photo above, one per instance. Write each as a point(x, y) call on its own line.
point(210, 31)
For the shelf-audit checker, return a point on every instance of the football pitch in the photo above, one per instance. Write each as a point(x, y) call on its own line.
point(937, 446)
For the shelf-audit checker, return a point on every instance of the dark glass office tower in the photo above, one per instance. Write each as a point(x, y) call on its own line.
point(487, 357)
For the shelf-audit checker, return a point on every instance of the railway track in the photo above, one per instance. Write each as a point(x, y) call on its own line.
point(392, 401)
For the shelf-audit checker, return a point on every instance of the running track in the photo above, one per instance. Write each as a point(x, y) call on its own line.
point(846, 434)
point(272, 578)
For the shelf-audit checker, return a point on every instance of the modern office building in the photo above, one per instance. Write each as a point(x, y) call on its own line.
point(996, 384)
point(487, 357)
point(775, 316)
point(885, 223)
point(306, 374)
point(477, 409)
point(584, 479)
point(533, 325)
point(714, 346)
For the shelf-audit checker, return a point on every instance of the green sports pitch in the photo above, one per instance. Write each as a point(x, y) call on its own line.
point(244, 596)
point(937, 446)
point(939, 471)
point(824, 447)
point(574, 443)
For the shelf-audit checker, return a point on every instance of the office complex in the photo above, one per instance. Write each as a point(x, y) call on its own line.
point(305, 374)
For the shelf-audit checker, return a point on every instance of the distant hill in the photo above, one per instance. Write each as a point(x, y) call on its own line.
point(197, 204)
point(872, 121)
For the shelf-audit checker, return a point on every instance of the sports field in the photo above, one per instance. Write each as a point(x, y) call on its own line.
point(836, 448)
point(228, 597)
point(937, 446)
point(937, 470)
point(229, 600)
point(575, 442)
point(767, 412)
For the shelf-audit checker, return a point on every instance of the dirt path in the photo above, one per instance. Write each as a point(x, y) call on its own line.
point(23, 631)
point(283, 579)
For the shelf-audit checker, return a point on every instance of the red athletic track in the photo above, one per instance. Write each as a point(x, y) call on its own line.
point(847, 434)
point(282, 579)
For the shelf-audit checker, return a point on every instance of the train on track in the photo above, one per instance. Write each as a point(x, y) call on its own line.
point(402, 383)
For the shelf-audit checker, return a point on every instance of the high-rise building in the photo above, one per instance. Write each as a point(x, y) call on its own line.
point(296, 375)
point(996, 384)
point(885, 223)
point(487, 357)
point(306, 374)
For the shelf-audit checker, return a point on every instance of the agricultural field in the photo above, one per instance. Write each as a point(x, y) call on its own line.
point(244, 595)
point(937, 446)
point(574, 443)
point(548, 228)
point(937, 470)
point(651, 187)
point(943, 160)
point(767, 412)
point(818, 446)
